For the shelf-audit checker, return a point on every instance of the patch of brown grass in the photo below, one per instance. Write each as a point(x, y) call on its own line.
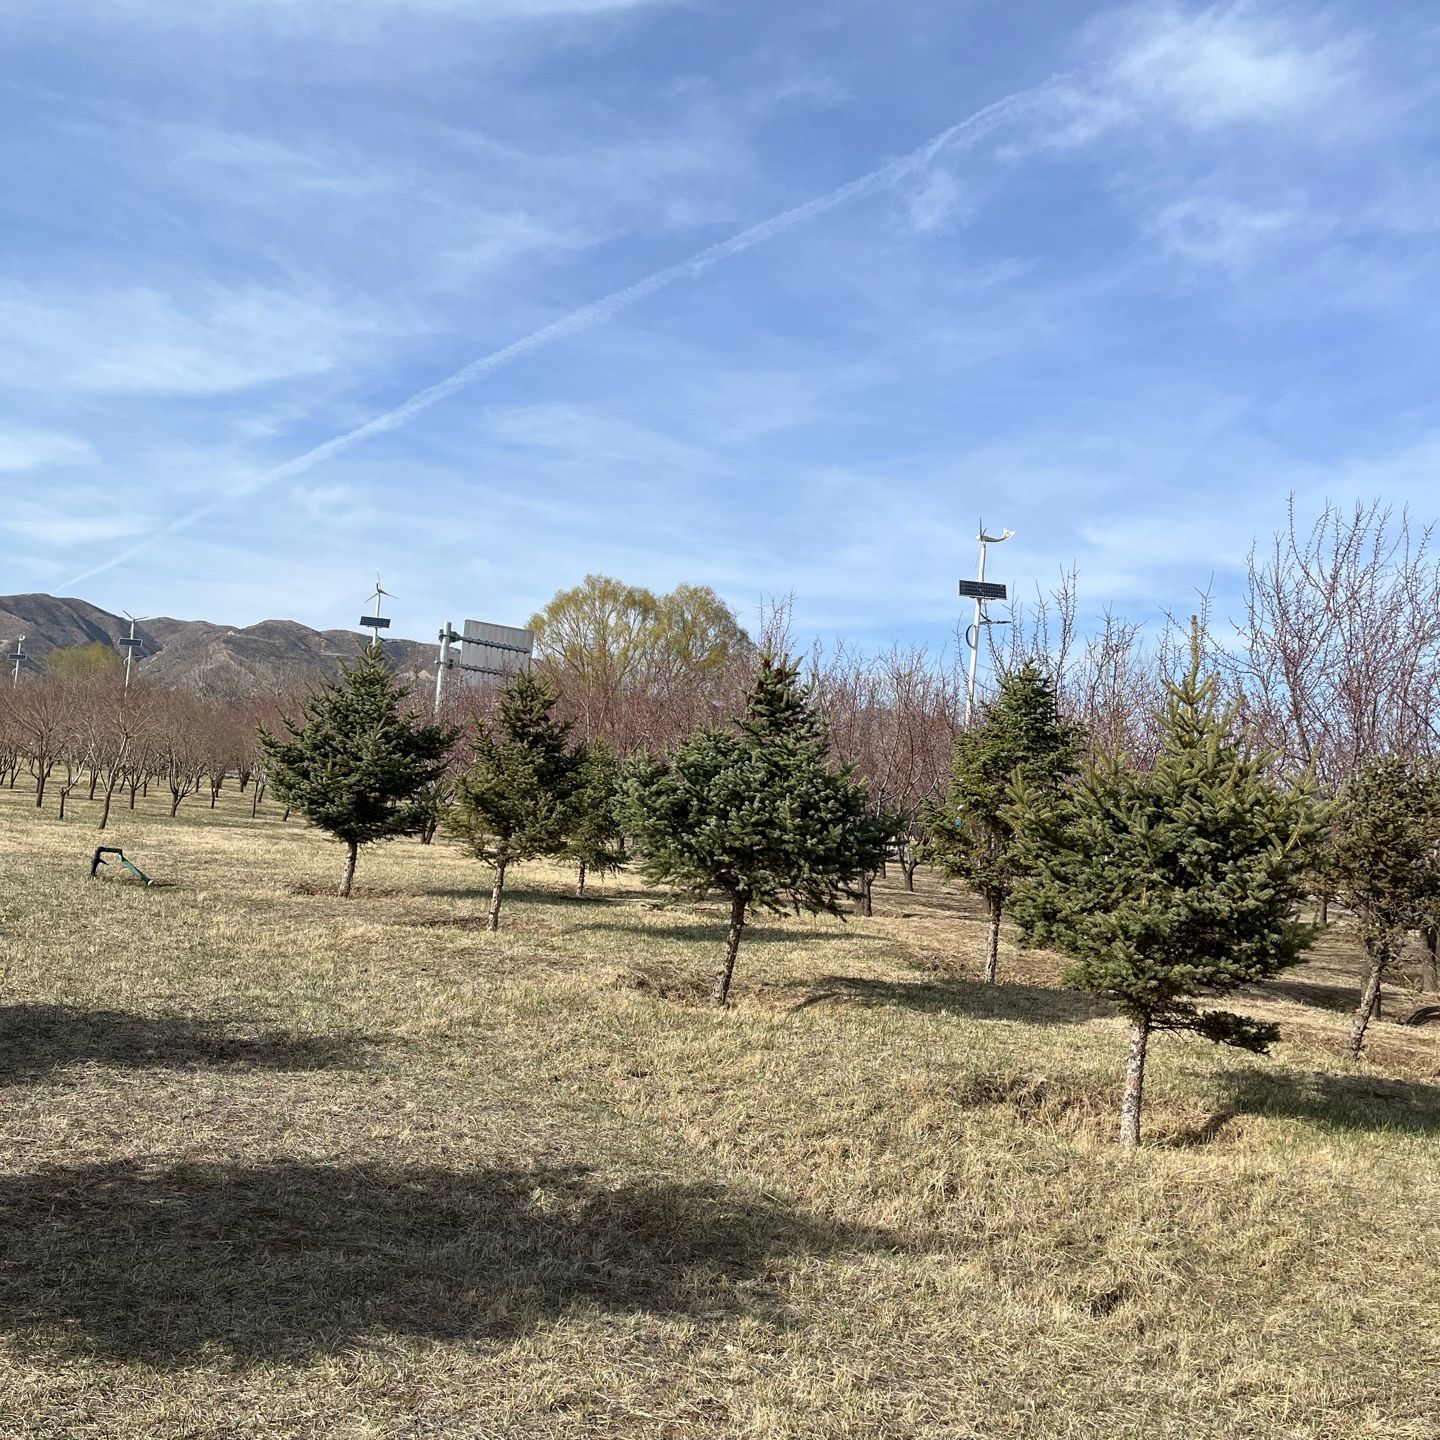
point(277, 1164)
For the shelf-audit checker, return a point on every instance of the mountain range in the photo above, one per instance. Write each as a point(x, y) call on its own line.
point(222, 661)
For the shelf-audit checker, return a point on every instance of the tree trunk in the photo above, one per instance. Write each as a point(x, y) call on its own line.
point(94, 782)
point(352, 851)
point(1369, 1002)
point(133, 788)
point(580, 882)
point(286, 815)
point(992, 940)
point(105, 813)
point(175, 798)
point(867, 906)
point(1324, 910)
point(1430, 965)
point(721, 993)
point(40, 791)
point(497, 893)
point(1134, 1097)
point(64, 791)
point(908, 866)
point(254, 799)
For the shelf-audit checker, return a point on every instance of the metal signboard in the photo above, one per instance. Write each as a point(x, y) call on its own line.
point(494, 651)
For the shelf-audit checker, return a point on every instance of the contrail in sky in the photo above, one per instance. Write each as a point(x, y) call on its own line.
point(965, 133)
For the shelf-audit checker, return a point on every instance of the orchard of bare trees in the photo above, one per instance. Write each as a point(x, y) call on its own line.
point(1320, 698)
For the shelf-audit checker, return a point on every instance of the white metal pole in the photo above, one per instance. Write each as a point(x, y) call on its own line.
point(19, 654)
point(443, 661)
point(975, 638)
point(129, 654)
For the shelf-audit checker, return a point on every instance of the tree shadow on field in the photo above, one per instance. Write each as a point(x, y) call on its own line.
point(1337, 1102)
point(296, 1260)
point(714, 933)
point(1339, 998)
point(1034, 1004)
point(38, 1040)
point(521, 895)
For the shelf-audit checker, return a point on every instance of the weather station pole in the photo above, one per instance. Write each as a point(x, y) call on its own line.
point(377, 622)
point(129, 644)
point(18, 655)
point(980, 591)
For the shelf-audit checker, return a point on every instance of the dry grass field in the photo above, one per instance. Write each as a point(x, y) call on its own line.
point(276, 1164)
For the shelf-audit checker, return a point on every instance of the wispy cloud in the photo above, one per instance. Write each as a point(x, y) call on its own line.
point(38, 449)
point(142, 341)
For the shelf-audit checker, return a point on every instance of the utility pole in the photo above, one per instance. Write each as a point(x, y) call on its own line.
point(17, 655)
point(447, 638)
point(979, 591)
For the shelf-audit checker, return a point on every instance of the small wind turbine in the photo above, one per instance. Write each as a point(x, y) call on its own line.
point(377, 621)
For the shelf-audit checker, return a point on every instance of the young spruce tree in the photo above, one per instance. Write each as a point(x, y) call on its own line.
point(1173, 883)
point(357, 765)
point(594, 843)
point(970, 836)
point(518, 799)
point(1385, 861)
point(758, 812)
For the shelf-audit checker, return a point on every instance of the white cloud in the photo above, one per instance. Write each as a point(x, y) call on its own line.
point(1225, 63)
point(67, 530)
point(1205, 68)
point(140, 341)
point(35, 449)
point(938, 204)
point(1216, 230)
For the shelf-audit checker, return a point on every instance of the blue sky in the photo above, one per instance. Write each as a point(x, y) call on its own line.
point(1186, 269)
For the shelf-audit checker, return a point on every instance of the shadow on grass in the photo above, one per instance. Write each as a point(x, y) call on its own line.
point(262, 1262)
point(519, 895)
point(1035, 1004)
point(1337, 1102)
point(38, 1040)
point(1338, 998)
point(714, 934)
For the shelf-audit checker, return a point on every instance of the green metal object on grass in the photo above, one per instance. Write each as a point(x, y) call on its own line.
point(97, 860)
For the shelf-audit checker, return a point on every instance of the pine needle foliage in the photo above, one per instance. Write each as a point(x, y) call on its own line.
point(1384, 861)
point(970, 836)
point(1171, 884)
point(595, 842)
point(758, 811)
point(358, 764)
point(518, 799)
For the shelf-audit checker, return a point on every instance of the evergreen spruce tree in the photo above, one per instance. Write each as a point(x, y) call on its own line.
point(518, 799)
point(595, 842)
point(757, 811)
point(1173, 883)
point(1385, 861)
point(357, 765)
point(970, 836)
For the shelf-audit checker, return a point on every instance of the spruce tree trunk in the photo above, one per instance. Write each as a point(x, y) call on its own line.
point(867, 905)
point(1324, 910)
point(721, 994)
point(1134, 1096)
point(992, 940)
point(497, 892)
point(580, 882)
point(352, 850)
point(1430, 966)
point(1369, 1002)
